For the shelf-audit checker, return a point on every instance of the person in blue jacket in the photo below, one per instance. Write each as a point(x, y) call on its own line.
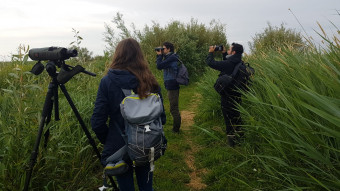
point(128, 70)
point(167, 61)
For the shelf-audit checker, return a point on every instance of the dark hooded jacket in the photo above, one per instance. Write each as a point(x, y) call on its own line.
point(227, 65)
point(107, 105)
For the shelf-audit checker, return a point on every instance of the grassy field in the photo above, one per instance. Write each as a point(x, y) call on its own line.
point(291, 121)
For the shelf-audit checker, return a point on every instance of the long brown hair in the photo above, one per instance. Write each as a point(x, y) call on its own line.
point(129, 56)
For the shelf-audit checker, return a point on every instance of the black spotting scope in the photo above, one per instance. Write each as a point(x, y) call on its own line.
point(51, 53)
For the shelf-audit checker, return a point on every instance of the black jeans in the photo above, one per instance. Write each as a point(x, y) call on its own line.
point(143, 176)
point(173, 96)
point(231, 115)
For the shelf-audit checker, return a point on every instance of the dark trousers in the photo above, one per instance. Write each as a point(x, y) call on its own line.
point(143, 176)
point(231, 115)
point(173, 96)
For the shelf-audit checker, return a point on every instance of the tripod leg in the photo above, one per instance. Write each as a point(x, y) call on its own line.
point(88, 135)
point(54, 88)
point(45, 114)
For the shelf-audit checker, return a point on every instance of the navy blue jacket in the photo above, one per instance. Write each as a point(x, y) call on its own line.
point(170, 69)
point(107, 105)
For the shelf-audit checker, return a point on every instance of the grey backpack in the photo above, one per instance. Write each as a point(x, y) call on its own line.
point(144, 133)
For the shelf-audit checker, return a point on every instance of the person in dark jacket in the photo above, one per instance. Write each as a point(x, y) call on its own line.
point(231, 97)
point(129, 70)
point(167, 61)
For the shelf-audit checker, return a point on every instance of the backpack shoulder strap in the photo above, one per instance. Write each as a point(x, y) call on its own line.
point(236, 69)
point(179, 62)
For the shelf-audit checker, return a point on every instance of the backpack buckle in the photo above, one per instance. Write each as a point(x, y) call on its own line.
point(147, 128)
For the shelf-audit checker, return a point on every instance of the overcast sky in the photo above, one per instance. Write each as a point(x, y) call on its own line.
point(44, 23)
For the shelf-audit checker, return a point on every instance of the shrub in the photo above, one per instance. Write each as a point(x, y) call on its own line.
point(191, 40)
point(274, 38)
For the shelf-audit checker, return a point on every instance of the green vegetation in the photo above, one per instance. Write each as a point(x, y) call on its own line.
point(291, 118)
point(84, 55)
point(68, 158)
point(276, 38)
point(191, 40)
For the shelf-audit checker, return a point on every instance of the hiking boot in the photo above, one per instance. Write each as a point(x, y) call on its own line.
point(231, 140)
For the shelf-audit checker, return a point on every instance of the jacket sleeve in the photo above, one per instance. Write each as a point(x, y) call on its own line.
point(224, 56)
point(165, 63)
point(217, 65)
point(100, 113)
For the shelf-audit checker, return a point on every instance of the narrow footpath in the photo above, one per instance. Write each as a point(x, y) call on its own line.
point(187, 125)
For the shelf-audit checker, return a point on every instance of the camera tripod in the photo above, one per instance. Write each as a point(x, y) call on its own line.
point(52, 99)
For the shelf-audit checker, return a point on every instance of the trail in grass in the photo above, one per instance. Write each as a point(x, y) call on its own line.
point(187, 125)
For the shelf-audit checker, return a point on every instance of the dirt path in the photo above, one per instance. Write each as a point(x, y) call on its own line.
point(187, 122)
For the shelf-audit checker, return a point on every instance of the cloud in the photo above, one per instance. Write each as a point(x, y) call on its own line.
point(44, 23)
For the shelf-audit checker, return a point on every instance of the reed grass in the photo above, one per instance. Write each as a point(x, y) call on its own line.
point(291, 118)
point(68, 158)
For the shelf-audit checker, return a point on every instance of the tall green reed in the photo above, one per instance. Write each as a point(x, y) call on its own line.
point(291, 118)
point(294, 117)
point(67, 161)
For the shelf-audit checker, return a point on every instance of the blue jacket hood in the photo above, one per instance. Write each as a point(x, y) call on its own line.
point(123, 78)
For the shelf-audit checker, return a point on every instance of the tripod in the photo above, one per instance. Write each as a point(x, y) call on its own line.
point(52, 99)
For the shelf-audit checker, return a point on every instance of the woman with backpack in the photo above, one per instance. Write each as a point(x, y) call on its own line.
point(128, 70)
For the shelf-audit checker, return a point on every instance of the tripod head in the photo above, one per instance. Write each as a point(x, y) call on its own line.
point(56, 57)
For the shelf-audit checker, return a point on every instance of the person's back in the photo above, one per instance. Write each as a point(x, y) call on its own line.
point(128, 70)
